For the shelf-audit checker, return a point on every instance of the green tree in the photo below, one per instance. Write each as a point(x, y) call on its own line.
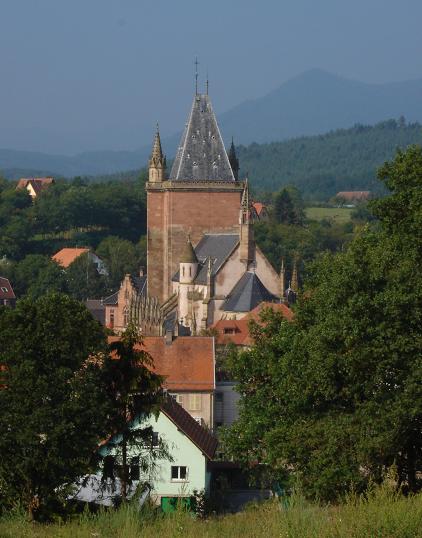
point(120, 256)
point(335, 397)
point(54, 405)
point(37, 275)
point(83, 280)
point(134, 390)
point(284, 212)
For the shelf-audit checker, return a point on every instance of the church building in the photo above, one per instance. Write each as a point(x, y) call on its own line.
point(203, 264)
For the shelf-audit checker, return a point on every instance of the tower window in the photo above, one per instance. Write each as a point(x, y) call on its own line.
point(183, 270)
point(190, 271)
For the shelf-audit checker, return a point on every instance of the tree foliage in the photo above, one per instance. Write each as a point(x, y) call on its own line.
point(320, 166)
point(334, 398)
point(135, 389)
point(53, 400)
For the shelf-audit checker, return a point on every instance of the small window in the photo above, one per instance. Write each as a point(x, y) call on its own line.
point(190, 271)
point(108, 467)
point(134, 472)
point(155, 439)
point(178, 398)
point(183, 270)
point(195, 401)
point(179, 473)
point(5, 290)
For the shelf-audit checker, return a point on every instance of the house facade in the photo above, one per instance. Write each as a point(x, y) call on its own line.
point(188, 366)
point(66, 256)
point(190, 449)
point(35, 185)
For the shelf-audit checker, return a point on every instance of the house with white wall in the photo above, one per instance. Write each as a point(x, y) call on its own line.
point(186, 469)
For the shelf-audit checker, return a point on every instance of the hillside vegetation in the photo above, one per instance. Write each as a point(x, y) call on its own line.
point(320, 166)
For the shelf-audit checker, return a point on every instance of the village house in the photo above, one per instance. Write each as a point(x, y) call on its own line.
point(188, 367)
point(66, 256)
point(190, 447)
point(7, 295)
point(260, 211)
point(35, 185)
point(351, 198)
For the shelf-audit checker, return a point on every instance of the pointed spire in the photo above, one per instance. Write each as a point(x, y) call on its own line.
point(295, 281)
point(234, 161)
point(157, 152)
point(188, 255)
point(245, 197)
point(247, 243)
point(157, 161)
point(201, 155)
point(282, 280)
point(196, 75)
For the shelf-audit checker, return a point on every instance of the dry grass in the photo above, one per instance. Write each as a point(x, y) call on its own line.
point(380, 514)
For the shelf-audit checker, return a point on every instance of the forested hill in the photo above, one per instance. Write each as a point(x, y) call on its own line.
point(320, 166)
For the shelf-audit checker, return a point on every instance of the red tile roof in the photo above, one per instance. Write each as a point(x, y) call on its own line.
point(277, 307)
point(233, 331)
point(6, 290)
point(66, 256)
point(37, 183)
point(236, 331)
point(199, 436)
point(187, 363)
point(353, 195)
point(258, 207)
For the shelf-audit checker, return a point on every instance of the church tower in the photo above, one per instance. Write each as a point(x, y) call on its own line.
point(201, 195)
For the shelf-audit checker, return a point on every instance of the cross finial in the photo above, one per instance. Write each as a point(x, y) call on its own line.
point(196, 75)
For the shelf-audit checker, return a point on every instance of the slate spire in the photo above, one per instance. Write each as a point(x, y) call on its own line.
point(201, 155)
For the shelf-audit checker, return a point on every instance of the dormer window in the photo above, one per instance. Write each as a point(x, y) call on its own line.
point(5, 290)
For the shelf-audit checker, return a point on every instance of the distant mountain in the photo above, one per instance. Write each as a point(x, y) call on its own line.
point(317, 102)
point(312, 103)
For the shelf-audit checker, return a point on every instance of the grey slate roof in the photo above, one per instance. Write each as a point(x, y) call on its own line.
point(97, 309)
point(218, 247)
point(111, 299)
point(248, 293)
point(201, 155)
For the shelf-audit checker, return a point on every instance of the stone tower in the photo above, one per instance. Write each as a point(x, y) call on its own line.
point(201, 195)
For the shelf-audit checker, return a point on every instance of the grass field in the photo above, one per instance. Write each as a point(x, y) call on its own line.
point(381, 514)
point(339, 215)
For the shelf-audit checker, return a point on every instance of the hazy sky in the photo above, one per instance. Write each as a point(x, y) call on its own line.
point(81, 75)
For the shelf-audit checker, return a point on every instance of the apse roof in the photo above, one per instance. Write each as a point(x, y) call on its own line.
point(248, 293)
point(201, 155)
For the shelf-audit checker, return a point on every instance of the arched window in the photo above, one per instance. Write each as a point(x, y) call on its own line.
point(125, 317)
